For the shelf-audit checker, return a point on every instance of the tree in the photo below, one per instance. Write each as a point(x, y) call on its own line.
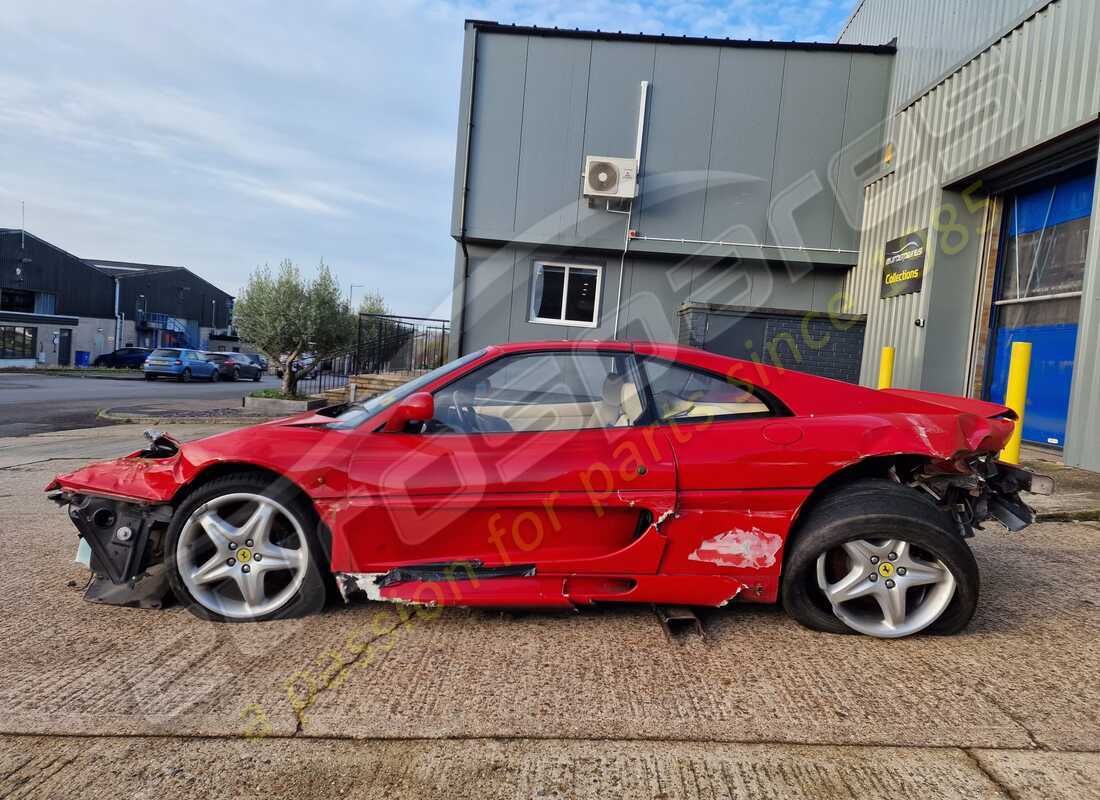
point(288, 317)
point(373, 303)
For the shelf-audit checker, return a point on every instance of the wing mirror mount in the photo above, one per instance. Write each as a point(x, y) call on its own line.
point(417, 407)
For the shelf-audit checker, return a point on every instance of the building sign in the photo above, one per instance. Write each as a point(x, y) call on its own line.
point(903, 269)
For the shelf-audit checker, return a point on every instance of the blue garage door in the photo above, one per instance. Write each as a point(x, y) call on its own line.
point(1038, 298)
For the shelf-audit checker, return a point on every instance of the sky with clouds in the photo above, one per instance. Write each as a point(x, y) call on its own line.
point(222, 136)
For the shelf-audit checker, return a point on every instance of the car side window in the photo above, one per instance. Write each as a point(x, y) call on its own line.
point(681, 392)
point(534, 392)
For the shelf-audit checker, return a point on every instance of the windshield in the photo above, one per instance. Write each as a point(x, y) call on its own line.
point(356, 414)
point(166, 354)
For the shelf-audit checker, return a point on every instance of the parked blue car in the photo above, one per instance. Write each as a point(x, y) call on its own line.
point(179, 363)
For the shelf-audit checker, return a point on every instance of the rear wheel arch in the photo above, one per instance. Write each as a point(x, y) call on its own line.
point(870, 467)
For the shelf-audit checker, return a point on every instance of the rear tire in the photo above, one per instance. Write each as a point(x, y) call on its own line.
point(257, 376)
point(215, 376)
point(185, 376)
point(150, 377)
point(873, 512)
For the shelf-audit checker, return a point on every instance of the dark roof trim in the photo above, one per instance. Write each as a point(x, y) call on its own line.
point(576, 33)
point(25, 318)
point(122, 271)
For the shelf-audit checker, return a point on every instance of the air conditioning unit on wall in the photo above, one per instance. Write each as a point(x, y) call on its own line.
point(610, 177)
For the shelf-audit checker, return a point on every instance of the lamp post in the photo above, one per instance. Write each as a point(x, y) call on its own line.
point(351, 289)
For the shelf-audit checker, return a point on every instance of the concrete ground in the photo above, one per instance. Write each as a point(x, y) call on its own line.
point(374, 700)
point(42, 403)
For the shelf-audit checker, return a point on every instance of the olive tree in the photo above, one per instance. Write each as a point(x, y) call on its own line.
point(287, 317)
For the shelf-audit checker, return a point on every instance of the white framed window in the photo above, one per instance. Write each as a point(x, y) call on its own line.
point(566, 294)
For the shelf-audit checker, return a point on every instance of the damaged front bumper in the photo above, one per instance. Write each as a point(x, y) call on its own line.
point(124, 539)
point(982, 489)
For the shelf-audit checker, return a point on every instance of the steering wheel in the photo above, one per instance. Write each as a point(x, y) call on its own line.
point(464, 411)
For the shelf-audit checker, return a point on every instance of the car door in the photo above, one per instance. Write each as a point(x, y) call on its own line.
point(532, 459)
point(738, 463)
point(200, 367)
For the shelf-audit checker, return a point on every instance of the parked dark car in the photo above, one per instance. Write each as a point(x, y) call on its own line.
point(234, 366)
point(127, 357)
point(257, 359)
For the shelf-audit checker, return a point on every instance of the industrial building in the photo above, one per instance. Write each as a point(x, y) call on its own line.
point(926, 182)
point(55, 306)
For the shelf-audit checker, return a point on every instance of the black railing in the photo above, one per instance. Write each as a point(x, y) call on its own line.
point(331, 373)
point(385, 343)
point(401, 344)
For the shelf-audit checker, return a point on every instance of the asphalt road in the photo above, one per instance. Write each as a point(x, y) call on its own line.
point(104, 702)
point(43, 403)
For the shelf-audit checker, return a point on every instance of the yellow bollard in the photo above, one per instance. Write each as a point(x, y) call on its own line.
point(1016, 397)
point(886, 368)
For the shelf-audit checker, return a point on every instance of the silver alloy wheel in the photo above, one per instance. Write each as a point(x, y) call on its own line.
point(908, 593)
point(232, 581)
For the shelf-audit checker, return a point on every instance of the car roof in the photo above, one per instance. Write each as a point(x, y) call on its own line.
point(562, 344)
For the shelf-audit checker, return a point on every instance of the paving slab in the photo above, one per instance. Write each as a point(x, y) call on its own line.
point(1076, 491)
point(1044, 776)
point(596, 770)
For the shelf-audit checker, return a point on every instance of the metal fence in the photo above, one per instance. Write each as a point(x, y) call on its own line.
point(384, 344)
point(388, 343)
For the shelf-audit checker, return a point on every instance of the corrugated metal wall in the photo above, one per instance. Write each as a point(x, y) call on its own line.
point(933, 35)
point(1038, 81)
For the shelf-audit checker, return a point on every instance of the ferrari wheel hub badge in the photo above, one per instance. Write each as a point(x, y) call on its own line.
point(886, 569)
point(244, 555)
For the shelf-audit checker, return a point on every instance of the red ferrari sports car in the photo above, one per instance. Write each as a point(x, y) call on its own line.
point(566, 474)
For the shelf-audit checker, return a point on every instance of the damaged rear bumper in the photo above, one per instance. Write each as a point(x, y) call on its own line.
point(124, 537)
point(985, 489)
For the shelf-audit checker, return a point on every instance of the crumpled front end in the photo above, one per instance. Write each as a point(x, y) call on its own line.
point(120, 509)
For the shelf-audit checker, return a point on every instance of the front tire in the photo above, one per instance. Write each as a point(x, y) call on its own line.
point(215, 376)
point(881, 559)
point(150, 376)
point(245, 549)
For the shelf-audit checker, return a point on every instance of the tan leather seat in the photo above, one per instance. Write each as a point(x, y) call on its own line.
point(608, 411)
point(632, 406)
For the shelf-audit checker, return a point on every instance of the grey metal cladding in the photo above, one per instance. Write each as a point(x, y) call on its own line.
point(811, 131)
point(498, 120)
point(742, 149)
point(729, 131)
point(487, 316)
point(611, 124)
point(681, 116)
point(933, 35)
point(860, 155)
point(552, 149)
point(464, 130)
